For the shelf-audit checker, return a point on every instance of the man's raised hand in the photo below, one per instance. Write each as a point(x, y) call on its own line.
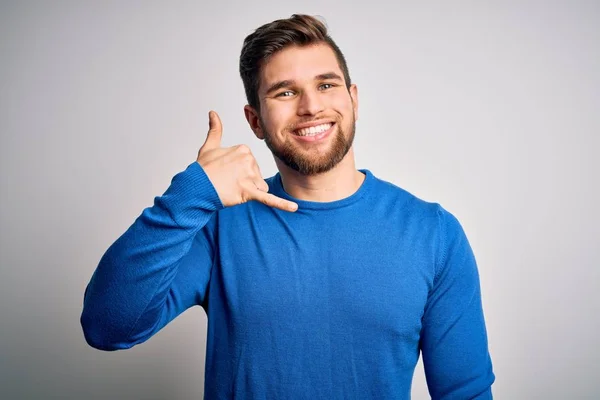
point(234, 172)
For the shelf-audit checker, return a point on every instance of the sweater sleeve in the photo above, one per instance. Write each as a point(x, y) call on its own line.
point(159, 267)
point(454, 341)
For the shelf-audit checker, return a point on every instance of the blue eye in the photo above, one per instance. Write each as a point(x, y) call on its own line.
point(326, 86)
point(287, 93)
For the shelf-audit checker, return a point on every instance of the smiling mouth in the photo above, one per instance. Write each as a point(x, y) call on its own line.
point(313, 130)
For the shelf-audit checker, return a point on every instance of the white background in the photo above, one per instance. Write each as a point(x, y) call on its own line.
point(489, 108)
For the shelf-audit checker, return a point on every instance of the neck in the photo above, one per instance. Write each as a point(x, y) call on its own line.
point(338, 183)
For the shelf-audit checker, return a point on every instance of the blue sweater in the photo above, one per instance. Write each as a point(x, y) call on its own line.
point(334, 301)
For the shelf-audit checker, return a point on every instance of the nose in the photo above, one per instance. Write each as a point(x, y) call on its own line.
point(309, 103)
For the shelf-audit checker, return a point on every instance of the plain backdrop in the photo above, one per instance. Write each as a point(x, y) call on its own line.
point(489, 108)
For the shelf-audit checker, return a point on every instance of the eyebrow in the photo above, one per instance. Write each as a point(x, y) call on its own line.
point(288, 82)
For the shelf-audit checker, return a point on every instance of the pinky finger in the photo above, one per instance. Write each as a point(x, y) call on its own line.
point(274, 201)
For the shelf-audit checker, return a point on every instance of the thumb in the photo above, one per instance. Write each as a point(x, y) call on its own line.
point(215, 131)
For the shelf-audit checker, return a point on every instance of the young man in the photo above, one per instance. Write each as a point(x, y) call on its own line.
point(321, 282)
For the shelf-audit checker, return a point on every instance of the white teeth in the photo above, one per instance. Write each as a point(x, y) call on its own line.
point(313, 130)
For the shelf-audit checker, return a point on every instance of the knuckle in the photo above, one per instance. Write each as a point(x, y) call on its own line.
point(243, 149)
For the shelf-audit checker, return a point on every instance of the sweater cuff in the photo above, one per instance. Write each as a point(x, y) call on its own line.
point(192, 195)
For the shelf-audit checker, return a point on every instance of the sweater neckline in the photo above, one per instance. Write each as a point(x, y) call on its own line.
point(278, 190)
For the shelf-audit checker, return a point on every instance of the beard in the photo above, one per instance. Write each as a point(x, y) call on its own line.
point(305, 162)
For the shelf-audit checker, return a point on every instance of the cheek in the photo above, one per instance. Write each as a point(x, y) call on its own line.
point(276, 118)
point(343, 104)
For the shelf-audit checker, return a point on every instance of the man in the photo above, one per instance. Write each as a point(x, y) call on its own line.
point(321, 282)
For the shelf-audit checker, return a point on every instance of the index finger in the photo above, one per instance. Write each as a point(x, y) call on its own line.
point(274, 201)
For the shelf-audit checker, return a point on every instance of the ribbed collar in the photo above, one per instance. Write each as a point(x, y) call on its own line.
point(276, 188)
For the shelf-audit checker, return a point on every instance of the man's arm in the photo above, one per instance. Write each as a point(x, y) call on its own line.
point(161, 265)
point(454, 341)
point(157, 269)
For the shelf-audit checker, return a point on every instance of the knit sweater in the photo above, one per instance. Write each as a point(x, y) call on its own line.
point(334, 301)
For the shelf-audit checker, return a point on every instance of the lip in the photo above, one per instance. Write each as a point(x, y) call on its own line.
point(318, 137)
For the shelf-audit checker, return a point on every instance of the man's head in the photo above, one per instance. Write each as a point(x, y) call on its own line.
point(300, 98)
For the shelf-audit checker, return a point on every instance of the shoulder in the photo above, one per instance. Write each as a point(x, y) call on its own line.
point(415, 213)
point(417, 207)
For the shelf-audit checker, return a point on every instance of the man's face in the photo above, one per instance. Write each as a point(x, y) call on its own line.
point(307, 114)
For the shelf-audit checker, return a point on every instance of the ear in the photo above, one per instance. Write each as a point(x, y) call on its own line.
point(254, 121)
point(354, 97)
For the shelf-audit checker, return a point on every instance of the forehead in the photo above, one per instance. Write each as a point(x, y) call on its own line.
point(299, 64)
